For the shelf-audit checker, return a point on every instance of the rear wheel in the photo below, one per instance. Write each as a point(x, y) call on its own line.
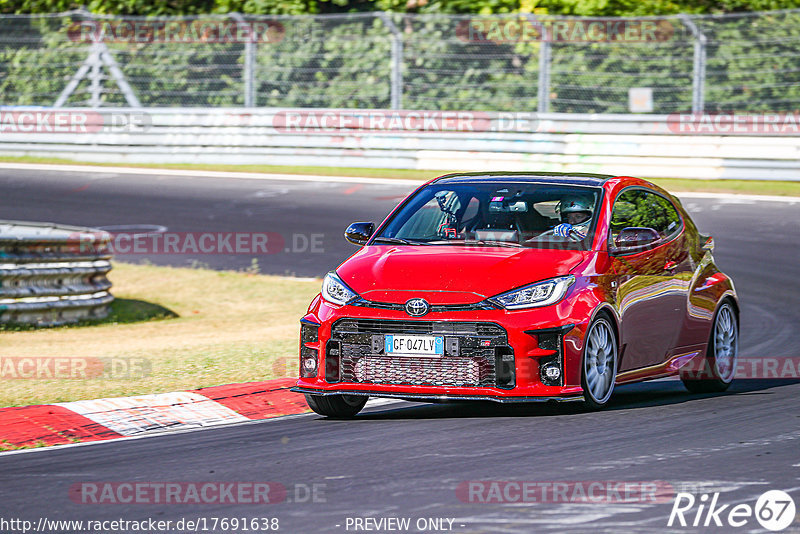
point(599, 370)
point(336, 406)
point(719, 365)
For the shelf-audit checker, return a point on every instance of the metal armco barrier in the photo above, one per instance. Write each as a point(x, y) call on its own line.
point(52, 275)
point(656, 146)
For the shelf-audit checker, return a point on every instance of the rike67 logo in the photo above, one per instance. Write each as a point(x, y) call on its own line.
point(774, 510)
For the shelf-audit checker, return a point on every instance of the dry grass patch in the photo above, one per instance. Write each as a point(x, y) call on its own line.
point(226, 327)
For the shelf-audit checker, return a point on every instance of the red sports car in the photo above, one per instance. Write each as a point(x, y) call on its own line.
point(517, 287)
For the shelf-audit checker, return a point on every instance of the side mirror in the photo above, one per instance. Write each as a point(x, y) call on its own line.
point(359, 233)
point(634, 239)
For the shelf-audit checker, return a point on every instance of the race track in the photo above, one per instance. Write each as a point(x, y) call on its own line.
point(407, 460)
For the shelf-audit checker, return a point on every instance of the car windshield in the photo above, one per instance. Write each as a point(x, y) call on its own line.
point(510, 214)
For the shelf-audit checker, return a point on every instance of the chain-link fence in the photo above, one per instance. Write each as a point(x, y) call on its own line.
point(743, 62)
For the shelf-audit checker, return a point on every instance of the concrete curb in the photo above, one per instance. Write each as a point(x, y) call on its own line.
point(104, 419)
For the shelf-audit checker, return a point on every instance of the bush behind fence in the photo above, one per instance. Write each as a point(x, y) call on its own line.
point(743, 62)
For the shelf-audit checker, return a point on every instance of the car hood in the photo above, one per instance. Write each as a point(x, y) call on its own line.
point(450, 274)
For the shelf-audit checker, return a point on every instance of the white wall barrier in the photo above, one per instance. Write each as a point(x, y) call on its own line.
point(749, 147)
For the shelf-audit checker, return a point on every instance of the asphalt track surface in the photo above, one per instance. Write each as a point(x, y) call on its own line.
point(404, 459)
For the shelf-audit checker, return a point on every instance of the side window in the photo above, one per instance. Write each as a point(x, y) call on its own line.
point(640, 208)
point(667, 221)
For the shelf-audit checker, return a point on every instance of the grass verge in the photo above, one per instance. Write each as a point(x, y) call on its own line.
point(194, 328)
point(755, 187)
point(6, 446)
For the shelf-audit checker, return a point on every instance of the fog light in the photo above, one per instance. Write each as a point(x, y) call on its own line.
point(308, 362)
point(310, 365)
point(552, 372)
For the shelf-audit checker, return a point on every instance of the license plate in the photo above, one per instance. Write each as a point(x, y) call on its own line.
point(417, 345)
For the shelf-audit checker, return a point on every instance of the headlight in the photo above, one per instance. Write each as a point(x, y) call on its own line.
point(336, 291)
point(535, 295)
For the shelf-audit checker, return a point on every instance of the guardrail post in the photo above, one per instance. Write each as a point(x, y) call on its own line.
point(248, 71)
point(397, 61)
point(545, 57)
point(698, 66)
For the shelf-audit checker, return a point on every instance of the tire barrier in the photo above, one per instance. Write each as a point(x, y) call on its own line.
point(52, 275)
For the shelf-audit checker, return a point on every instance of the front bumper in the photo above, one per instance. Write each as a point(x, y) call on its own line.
point(431, 397)
point(504, 354)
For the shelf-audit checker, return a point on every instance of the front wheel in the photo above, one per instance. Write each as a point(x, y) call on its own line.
point(719, 365)
point(336, 406)
point(599, 369)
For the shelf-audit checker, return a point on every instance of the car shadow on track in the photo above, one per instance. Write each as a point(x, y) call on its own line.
point(633, 396)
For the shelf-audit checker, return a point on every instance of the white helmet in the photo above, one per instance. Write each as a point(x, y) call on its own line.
point(575, 204)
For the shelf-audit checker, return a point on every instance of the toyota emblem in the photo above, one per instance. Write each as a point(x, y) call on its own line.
point(417, 307)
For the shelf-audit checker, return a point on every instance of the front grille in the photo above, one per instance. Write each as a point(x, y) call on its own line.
point(472, 353)
point(378, 326)
point(423, 371)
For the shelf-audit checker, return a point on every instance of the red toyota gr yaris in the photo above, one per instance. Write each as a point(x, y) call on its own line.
point(520, 287)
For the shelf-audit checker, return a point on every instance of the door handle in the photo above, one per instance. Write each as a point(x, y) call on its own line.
point(670, 265)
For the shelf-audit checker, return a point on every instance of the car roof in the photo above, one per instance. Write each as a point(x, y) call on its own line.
point(563, 178)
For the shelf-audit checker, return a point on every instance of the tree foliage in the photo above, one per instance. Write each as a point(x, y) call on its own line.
point(346, 60)
point(296, 7)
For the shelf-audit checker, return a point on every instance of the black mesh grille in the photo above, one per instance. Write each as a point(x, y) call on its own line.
point(377, 326)
point(471, 363)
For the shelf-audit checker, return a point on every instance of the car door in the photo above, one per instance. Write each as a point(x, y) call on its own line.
point(651, 283)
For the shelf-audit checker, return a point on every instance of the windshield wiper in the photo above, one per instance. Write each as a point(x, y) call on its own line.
point(497, 243)
point(397, 240)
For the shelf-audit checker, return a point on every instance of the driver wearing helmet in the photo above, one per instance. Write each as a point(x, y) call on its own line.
point(576, 214)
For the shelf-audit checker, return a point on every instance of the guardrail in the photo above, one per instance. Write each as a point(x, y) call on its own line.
point(764, 147)
point(52, 274)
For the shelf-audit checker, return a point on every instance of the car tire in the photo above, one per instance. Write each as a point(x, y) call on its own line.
point(336, 406)
point(599, 363)
point(719, 365)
